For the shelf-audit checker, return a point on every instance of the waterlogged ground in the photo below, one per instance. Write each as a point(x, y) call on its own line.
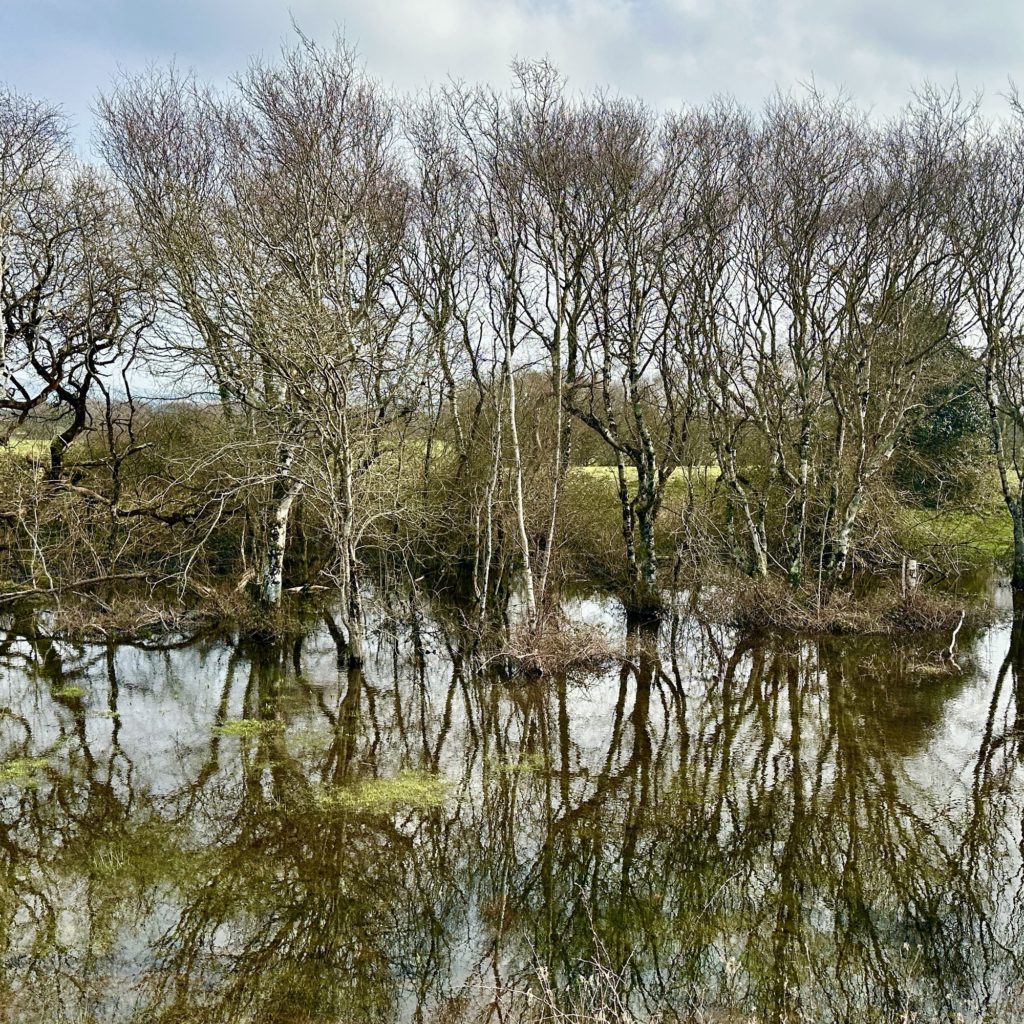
point(720, 829)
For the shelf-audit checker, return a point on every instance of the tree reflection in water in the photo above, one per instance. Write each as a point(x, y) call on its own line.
point(734, 827)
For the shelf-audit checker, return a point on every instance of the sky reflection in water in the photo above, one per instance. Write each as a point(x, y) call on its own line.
point(793, 831)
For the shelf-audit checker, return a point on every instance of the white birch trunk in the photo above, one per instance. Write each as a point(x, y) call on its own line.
point(517, 469)
point(288, 490)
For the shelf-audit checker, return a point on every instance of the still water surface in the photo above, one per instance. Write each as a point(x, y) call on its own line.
point(721, 828)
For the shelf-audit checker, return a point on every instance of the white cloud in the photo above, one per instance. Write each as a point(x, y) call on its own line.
point(668, 51)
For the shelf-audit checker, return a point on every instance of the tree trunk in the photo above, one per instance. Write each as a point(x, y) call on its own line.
point(563, 447)
point(60, 444)
point(796, 553)
point(286, 490)
point(840, 547)
point(1013, 494)
point(517, 469)
point(1017, 577)
point(645, 597)
point(755, 530)
point(354, 612)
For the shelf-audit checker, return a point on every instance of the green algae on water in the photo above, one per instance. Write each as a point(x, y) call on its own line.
point(69, 692)
point(23, 770)
point(407, 790)
point(248, 727)
point(528, 764)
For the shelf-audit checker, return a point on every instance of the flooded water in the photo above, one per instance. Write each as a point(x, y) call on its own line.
point(719, 829)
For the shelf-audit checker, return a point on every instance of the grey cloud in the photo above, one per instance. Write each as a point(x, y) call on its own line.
point(941, 33)
point(668, 51)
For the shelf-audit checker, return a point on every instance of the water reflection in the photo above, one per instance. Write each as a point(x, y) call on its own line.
point(719, 826)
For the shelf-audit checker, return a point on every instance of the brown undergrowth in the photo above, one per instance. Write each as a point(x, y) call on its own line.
point(774, 605)
point(143, 616)
point(557, 646)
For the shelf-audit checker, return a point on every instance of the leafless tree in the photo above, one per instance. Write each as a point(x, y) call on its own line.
point(74, 298)
point(278, 214)
point(900, 290)
point(33, 145)
point(986, 225)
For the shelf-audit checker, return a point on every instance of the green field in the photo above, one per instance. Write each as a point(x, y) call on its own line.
point(25, 447)
point(678, 474)
point(988, 533)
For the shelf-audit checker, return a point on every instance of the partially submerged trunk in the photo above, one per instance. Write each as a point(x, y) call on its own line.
point(348, 633)
point(644, 600)
point(1017, 577)
point(353, 611)
point(643, 597)
point(351, 603)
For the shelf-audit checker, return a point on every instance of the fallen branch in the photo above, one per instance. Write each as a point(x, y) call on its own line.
point(952, 642)
point(12, 597)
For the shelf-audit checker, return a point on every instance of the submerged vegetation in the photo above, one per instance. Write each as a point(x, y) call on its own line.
point(22, 770)
point(304, 336)
point(408, 790)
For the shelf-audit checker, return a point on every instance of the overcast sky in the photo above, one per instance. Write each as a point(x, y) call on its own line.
point(667, 51)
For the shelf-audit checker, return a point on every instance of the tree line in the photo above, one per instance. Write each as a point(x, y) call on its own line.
point(410, 327)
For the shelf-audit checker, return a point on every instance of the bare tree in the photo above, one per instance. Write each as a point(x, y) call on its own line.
point(900, 291)
point(279, 216)
point(416, 315)
point(75, 302)
point(986, 224)
point(74, 296)
point(33, 145)
point(783, 308)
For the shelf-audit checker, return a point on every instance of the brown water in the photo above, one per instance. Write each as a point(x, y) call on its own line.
point(721, 829)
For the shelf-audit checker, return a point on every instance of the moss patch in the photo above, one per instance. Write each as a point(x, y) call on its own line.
point(408, 789)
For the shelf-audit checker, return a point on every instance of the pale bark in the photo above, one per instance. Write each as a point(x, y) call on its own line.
point(286, 489)
point(1012, 490)
point(520, 505)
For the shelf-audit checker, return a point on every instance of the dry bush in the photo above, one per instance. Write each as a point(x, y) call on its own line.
point(559, 646)
point(772, 604)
